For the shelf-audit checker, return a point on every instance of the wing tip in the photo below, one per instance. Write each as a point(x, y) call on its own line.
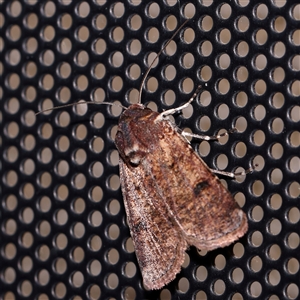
point(221, 242)
point(169, 275)
point(229, 237)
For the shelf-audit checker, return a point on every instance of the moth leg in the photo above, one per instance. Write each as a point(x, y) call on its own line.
point(207, 137)
point(217, 137)
point(232, 174)
point(172, 111)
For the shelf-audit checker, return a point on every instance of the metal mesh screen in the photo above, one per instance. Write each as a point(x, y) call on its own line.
point(63, 226)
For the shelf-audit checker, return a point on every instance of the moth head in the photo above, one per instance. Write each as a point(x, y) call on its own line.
point(130, 137)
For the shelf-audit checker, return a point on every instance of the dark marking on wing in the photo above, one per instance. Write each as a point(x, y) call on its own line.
point(200, 186)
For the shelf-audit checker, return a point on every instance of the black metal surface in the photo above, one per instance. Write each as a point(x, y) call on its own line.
point(63, 225)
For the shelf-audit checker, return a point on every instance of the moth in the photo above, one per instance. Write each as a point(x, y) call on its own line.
point(172, 199)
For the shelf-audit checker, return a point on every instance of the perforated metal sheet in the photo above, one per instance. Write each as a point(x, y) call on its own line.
point(63, 226)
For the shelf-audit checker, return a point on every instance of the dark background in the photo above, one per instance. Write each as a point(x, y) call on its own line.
point(63, 226)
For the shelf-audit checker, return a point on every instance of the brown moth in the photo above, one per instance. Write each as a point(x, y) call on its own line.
point(172, 199)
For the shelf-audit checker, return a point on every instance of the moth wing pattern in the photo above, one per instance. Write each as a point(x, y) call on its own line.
point(159, 245)
point(203, 208)
point(171, 197)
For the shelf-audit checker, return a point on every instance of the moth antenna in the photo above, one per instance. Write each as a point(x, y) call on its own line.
point(156, 57)
point(79, 103)
point(141, 86)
